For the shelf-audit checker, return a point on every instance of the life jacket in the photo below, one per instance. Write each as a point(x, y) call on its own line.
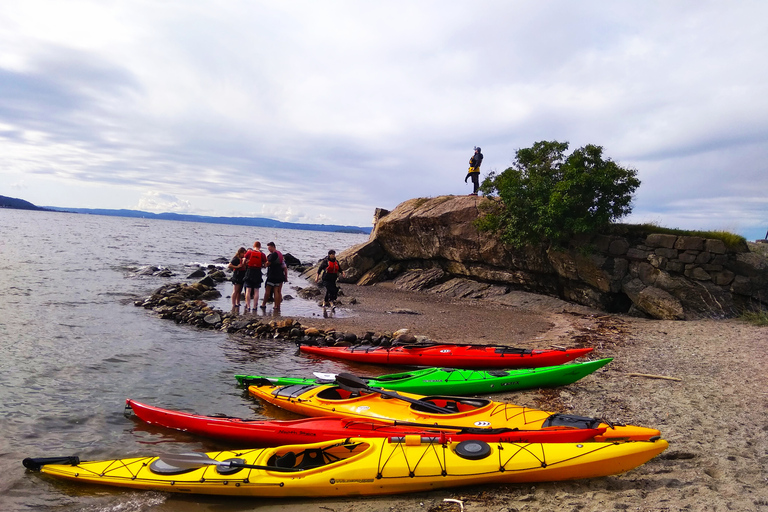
point(255, 258)
point(333, 267)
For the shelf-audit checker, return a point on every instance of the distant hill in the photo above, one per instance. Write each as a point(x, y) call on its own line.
point(10, 202)
point(18, 204)
point(239, 221)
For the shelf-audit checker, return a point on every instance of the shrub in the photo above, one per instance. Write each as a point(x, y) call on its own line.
point(548, 196)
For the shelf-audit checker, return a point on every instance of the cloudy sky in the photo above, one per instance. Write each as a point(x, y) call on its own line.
point(321, 111)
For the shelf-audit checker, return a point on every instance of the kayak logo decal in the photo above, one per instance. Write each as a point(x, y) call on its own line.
point(351, 480)
point(482, 423)
point(362, 408)
point(445, 351)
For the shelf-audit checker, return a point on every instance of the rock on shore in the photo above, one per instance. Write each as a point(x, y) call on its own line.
point(432, 245)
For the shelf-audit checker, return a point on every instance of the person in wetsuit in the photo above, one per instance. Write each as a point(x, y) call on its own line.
point(474, 170)
point(237, 265)
point(329, 270)
point(276, 276)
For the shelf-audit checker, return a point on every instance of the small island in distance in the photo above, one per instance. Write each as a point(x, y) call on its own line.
point(21, 204)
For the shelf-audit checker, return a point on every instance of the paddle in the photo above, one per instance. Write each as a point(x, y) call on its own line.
point(198, 460)
point(352, 382)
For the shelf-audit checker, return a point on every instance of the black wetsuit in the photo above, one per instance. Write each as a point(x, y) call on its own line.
point(474, 170)
point(330, 272)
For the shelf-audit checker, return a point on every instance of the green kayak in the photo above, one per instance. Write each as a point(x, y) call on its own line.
point(432, 381)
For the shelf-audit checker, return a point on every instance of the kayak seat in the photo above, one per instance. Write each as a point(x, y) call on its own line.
point(336, 394)
point(307, 459)
point(287, 460)
point(571, 420)
point(312, 458)
point(449, 406)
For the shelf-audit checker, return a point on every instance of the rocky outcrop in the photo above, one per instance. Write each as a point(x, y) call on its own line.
point(433, 245)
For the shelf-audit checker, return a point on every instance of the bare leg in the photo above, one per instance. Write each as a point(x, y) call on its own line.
point(278, 296)
point(236, 294)
point(267, 292)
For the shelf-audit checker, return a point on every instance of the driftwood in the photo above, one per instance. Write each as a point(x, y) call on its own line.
point(650, 376)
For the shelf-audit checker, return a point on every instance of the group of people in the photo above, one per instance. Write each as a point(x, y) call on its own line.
point(246, 274)
point(247, 267)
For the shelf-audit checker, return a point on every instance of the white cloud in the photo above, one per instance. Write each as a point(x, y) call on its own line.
point(156, 202)
point(308, 110)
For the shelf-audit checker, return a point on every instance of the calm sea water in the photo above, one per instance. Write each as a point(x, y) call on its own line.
point(73, 348)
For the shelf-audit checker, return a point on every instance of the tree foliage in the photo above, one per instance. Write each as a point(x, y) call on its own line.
point(548, 196)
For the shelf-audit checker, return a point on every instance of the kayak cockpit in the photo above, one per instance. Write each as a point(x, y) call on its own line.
point(315, 457)
point(451, 404)
point(339, 393)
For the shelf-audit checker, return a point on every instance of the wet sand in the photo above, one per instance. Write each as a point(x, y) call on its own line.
point(715, 416)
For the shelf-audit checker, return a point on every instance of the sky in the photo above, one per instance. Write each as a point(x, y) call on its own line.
point(322, 111)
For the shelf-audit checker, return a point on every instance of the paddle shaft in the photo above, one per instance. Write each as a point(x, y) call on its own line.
point(198, 461)
point(351, 381)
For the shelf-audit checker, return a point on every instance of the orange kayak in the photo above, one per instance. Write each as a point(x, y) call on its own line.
point(331, 400)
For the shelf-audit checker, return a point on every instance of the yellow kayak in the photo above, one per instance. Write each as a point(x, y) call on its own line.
point(332, 400)
point(358, 466)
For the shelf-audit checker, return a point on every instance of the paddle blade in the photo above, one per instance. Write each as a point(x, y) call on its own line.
point(349, 381)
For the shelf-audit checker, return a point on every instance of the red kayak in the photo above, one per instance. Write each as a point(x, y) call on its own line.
point(453, 356)
point(251, 433)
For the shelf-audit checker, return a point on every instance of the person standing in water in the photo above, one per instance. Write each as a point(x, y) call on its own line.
point(273, 285)
point(474, 170)
point(237, 265)
point(255, 259)
point(329, 270)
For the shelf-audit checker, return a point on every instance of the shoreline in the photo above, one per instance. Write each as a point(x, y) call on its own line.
point(713, 417)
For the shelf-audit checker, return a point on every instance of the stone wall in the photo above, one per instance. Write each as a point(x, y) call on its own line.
point(432, 245)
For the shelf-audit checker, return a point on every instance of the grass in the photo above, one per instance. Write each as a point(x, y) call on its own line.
point(759, 318)
point(731, 240)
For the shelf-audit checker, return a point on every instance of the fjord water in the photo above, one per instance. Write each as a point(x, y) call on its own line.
point(73, 347)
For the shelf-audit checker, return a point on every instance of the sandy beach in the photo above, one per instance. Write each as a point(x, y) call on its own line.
point(714, 413)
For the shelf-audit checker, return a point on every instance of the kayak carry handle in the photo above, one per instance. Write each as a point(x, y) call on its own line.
point(34, 464)
point(416, 440)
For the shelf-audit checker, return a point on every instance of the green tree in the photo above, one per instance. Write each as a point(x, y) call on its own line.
point(546, 196)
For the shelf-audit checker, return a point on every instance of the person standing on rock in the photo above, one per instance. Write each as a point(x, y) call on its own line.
point(255, 259)
point(275, 277)
point(329, 270)
point(237, 265)
point(474, 170)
